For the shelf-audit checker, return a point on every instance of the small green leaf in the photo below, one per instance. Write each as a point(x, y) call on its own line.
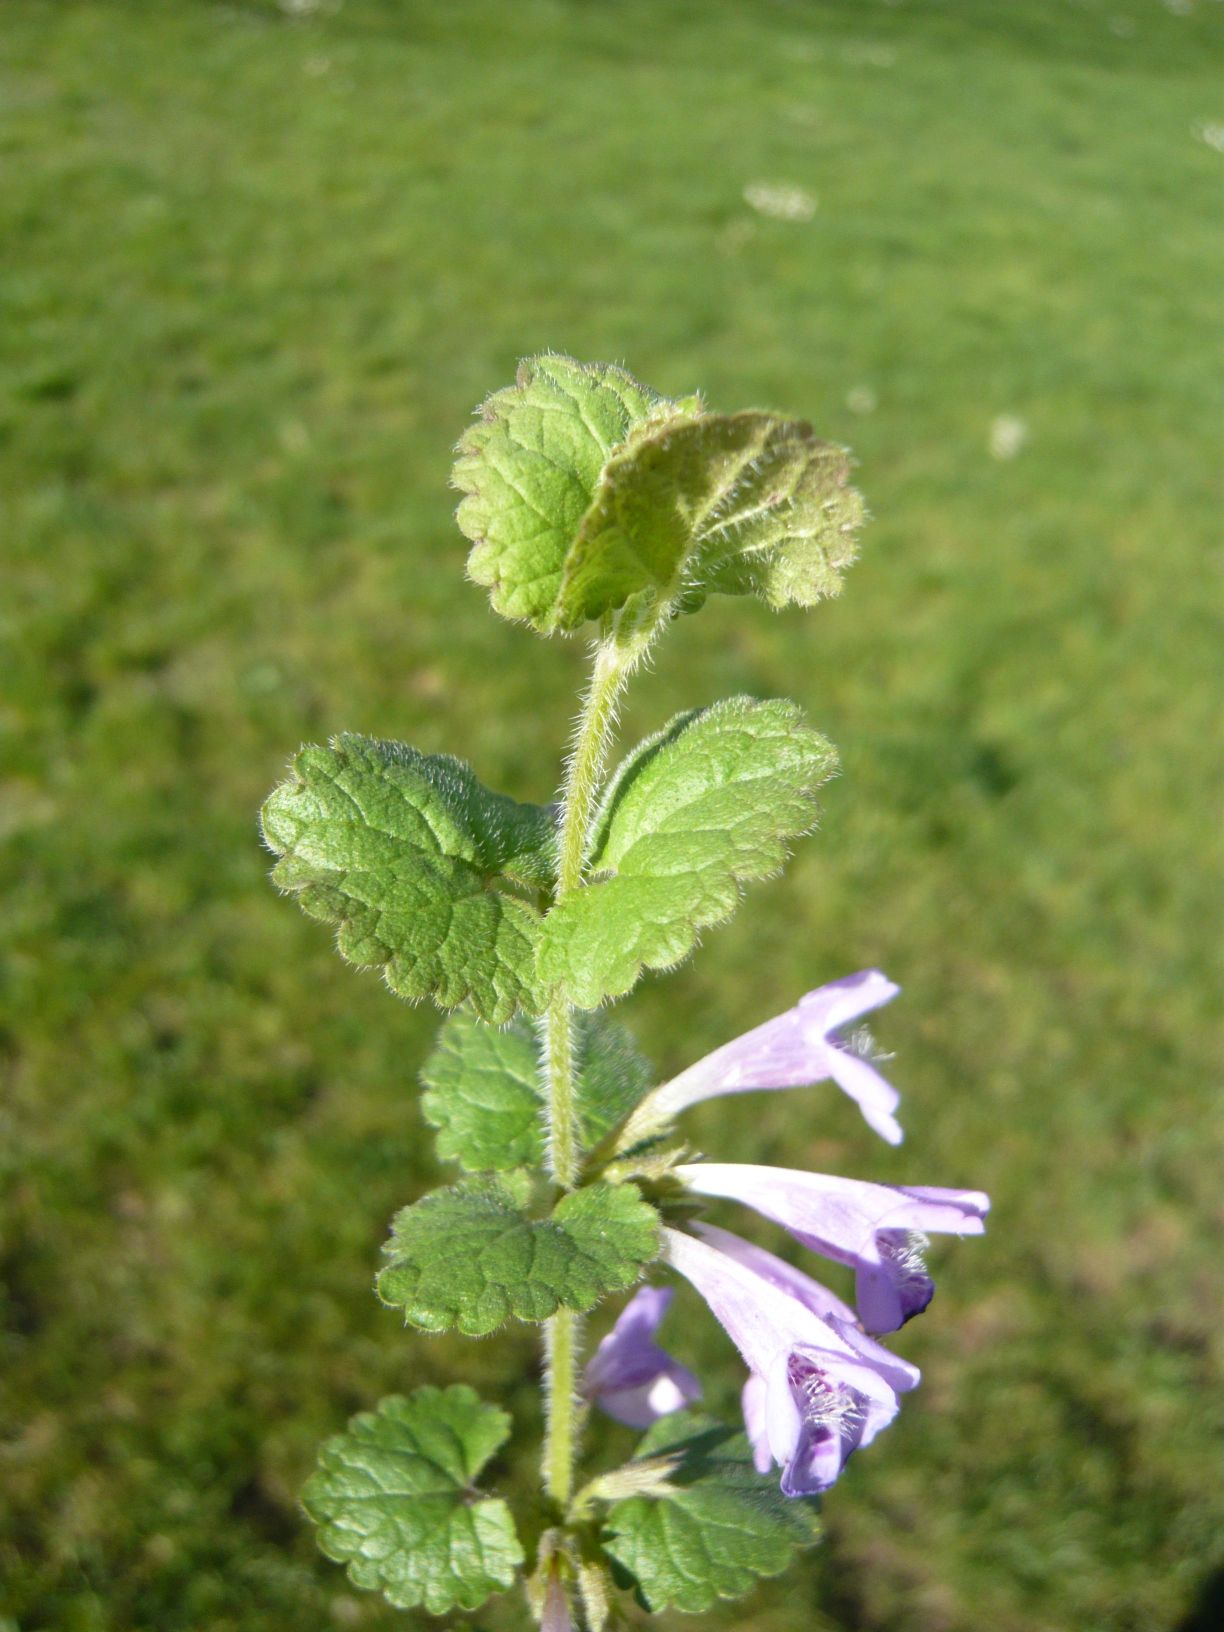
point(485, 1094)
point(720, 1528)
point(612, 1075)
point(471, 1256)
point(394, 1500)
point(529, 468)
point(709, 802)
point(747, 503)
point(403, 853)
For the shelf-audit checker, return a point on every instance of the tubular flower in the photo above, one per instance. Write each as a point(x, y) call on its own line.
point(878, 1229)
point(827, 1305)
point(629, 1376)
point(813, 1396)
point(792, 1050)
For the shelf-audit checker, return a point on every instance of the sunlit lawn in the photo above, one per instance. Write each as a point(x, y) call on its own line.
point(258, 270)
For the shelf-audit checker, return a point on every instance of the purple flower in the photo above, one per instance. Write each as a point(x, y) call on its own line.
point(794, 1049)
point(814, 1393)
point(629, 1376)
point(878, 1229)
point(827, 1305)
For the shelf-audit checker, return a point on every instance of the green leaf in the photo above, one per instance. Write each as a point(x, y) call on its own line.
point(529, 469)
point(709, 802)
point(471, 1255)
point(612, 1075)
point(403, 852)
point(394, 1500)
point(747, 503)
point(485, 1094)
point(719, 1529)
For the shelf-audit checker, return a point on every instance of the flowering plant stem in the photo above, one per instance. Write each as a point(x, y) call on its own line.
point(592, 500)
point(612, 665)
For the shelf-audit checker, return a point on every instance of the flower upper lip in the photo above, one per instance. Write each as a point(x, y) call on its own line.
point(847, 1214)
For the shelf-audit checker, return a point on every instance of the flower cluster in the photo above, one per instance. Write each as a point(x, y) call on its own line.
point(819, 1386)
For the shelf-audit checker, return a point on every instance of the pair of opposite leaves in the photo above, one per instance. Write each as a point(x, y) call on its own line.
point(586, 493)
point(396, 1499)
point(588, 496)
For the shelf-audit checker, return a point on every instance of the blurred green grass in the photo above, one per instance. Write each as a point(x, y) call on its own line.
point(258, 270)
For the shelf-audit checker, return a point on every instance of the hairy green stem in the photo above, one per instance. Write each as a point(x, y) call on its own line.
point(561, 1339)
point(582, 776)
point(558, 1039)
point(609, 672)
point(614, 662)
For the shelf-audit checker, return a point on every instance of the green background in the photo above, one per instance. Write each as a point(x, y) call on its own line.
point(258, 270)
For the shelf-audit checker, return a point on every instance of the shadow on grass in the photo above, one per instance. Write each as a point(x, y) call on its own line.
point(1208, 1613)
